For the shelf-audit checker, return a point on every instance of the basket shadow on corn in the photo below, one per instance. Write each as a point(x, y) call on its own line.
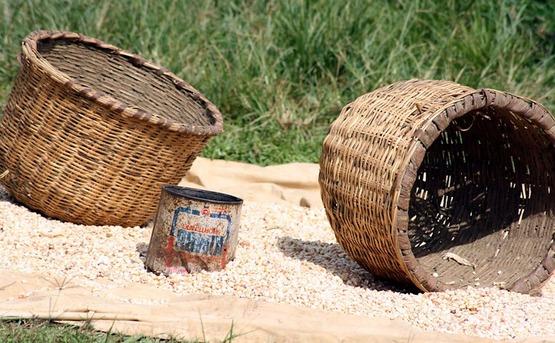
point(333, 258)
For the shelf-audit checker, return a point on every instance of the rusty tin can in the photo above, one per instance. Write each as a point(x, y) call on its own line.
point(194, 230)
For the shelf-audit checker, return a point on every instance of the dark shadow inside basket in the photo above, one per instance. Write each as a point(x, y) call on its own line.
point(485, 193)
point(133, 85)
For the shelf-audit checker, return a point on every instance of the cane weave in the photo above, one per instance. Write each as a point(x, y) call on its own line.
point(443, 186)
point(90, 132)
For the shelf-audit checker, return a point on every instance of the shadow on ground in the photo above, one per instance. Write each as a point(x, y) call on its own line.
point(331, 257)
point(142, 249)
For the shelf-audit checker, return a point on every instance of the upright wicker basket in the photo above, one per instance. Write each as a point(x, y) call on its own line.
point(443, 186)
point(90, 133)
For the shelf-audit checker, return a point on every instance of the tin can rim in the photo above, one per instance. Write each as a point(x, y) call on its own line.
point(202, 195)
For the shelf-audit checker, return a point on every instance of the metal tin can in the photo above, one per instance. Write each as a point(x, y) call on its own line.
point(194, 230)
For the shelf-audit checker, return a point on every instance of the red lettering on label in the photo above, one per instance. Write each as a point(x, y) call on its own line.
point(202, 229)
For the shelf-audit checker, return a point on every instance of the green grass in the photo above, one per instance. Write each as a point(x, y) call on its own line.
point(281, 70)
point(31, 331)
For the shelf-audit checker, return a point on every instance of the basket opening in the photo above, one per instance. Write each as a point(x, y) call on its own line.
point(133, 85)
point(484, 193)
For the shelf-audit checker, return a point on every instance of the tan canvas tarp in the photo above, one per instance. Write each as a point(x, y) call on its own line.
point(196, 316)
point(161, 313)
point(295, 183)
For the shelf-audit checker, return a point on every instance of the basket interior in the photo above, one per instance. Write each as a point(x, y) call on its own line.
point(133, 85)
point(484, 192)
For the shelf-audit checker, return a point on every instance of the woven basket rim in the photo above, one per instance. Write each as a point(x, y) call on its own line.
point(427, 133)
point(31, 53)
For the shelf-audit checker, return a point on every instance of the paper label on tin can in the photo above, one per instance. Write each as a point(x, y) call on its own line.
point(200, 231)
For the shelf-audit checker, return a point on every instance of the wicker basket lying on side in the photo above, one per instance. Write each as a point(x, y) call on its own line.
point(91, 132)
point(444, 186)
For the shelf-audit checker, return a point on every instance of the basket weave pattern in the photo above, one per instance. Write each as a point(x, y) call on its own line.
point(90, 133)
point(443, 186)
